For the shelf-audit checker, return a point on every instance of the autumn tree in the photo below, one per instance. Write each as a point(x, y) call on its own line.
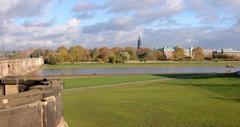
point(198, 53)
point(117, 54)
point(111, 57)
point(62, 53)
point(79, 54)
point(132, 52)
point(50, 57)
point(158, 55)
point(178, 54)
point(234, 58)
point(104, 54)
point(94, 53)
point(125, 56)
point(149, 54)
point(141, 54)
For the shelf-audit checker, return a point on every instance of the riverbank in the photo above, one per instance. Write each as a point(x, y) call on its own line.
point(146, 65)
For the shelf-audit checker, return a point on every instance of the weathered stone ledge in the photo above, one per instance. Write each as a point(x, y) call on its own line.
point(16, 67)
point(31, 103)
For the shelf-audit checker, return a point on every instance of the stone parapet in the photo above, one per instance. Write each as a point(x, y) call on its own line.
point(37, 103)
point(16, 67)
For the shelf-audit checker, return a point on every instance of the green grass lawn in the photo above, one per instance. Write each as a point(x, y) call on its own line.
point(203, 101)
point(88, 81)
point(160, 64)
point(227, 86)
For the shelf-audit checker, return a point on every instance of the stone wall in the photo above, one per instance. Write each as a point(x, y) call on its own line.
point(18, 67)
point(38, 103)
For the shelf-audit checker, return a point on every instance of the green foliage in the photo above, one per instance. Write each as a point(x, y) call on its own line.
point(179, 54)
point(132, 52)
point(62, 54)
point(52, 59)
point(94, 53)
point(125, 56)
point(36, 54)
point(112, 58)
point(141, 54)
point(78, 54)
point(114, 55)
point(49, 56)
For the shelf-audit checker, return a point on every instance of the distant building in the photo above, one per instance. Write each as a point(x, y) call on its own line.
point(231, 52)
point(168, 52)
point(139, 44)
point(228, 52)
point(188, 52)
point(209, 53)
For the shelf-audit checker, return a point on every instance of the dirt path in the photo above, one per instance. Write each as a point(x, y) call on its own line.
point(137, 83)
point(117, 84)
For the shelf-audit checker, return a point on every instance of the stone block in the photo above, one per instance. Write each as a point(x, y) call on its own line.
point(11, 89)
point(1, 90)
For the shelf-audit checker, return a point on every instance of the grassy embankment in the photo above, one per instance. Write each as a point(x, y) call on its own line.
point(159, 64)
point(203, 101)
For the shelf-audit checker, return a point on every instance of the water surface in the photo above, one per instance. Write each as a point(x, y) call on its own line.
point(155, 70)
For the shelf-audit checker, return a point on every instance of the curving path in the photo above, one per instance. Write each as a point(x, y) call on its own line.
point(136, 83)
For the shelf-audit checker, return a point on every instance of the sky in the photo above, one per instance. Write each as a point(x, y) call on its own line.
point(96, 23)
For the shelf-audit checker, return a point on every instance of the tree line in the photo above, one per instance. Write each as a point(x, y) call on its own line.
point(102, 55)
point(112, 55)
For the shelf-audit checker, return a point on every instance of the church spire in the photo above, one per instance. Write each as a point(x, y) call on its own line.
point(139, 45)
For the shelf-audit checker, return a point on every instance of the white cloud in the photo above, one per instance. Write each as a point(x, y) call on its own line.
point(6, 5)
point(116, 24)
point(83, 7)
point(32, 36)
point(146, 11)
point(175, 4)
point(37, 23)
point(73, 22)
point(129, 18)
point(22, 8)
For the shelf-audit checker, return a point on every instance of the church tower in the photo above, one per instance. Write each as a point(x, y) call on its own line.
point(139, 45)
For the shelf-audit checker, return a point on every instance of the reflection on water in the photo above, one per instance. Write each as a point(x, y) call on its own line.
point(103, 71)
